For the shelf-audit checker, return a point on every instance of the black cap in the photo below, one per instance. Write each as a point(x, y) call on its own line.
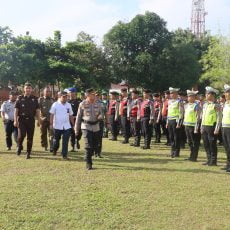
point(124, 90)
point(167, 92)
point(156, 95)
point(135, 91)
point(13, 93)
point(147, 91)
point(91, 90)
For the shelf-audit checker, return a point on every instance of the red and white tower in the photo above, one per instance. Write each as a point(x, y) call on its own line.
point(198, 18)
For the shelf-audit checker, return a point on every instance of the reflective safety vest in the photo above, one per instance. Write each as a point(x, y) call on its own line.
point(226, 116)
point(209, 117)
point(190, 118)
point(173, 110)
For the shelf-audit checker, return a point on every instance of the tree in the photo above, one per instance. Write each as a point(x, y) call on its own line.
point(216, 62)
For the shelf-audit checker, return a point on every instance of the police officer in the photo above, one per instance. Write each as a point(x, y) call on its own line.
point(146, 116)
point(113, 113)
point(192, 112)
point(174, 121)
point(210, 126)
point(7, 112)
point(164, 116)
point(45, 104)
point(105, 102)
point(133, 110)
point(26, 108)
point(125, 124)
point(88, 118)
point(74, 101)
point(226, 125)
point(157, 117)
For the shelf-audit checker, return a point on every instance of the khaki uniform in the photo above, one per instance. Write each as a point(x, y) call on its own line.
point(45, 104)
point(88, 119)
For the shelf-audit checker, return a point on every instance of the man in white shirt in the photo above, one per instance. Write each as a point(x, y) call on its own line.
point(7, 112)
point(61, 119)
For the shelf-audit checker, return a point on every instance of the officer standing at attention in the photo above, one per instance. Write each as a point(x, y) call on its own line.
point(105, 102)
point(113, 114)
point(210, 126)
point(75, 104)
point(174, 121)
point(146, 116)
point(7, 112)
point(45, 104)
point(133, 110)
point(88, 117)
point(125, 124)
point(165, 115)
point(226, 125)
point(26, 109)
point(192, 112)
point(157, 117)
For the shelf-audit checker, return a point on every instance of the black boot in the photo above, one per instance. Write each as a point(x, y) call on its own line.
point(28, 155)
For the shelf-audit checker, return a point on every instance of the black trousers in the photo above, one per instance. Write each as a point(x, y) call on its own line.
point(193, 142)
point(157, 128)
point(113, 126)
point(125, 125)
point(147, 131)
point(165, 130)
point(26, 128)
point(183, 137)
point(91, 140)
point(100, 138)
point(174, 136)
point(135, 130)
point(210, 143)
point(226, 141)
point(10, 130)
point(45, 129)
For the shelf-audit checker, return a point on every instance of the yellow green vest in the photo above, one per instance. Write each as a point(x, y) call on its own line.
point(173, 110)
point(190, 118)
point(209, 117)
point(226, 116)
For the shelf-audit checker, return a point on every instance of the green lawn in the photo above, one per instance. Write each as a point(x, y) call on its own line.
point(129, 189)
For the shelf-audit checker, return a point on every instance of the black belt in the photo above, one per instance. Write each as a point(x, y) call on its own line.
point(90, 122)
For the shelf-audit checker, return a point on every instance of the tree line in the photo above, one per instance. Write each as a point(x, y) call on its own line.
point(142, 52)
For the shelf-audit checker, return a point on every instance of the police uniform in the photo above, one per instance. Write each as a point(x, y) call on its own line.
point(146, 116)
point(164, 113)
point(210, 126)
point(157, 117)
point(45, 104)
point(174, 122)
point(125, 124)
point(106, 108)
point(27, 107)
point(133, 110)
point(113, 113)
point(88, 117)
point(75, 105)
point(192, 123)
point(226, 128)
point(8, 109)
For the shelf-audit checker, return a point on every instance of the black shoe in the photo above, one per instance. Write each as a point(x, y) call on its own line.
point(9, 148)
point(19, 151)
point(54, 153)
point(136, 145)
point(28, 156)
point(100, 156)
point(65, 158)
point(125, 142)
point(89, 166)
point(205, 163)
point(78, 145)
point(212, 164)
point(146, 147)
point(51, 150)
point(225, 168)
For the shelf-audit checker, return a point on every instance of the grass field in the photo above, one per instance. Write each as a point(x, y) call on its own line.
point(129, 189)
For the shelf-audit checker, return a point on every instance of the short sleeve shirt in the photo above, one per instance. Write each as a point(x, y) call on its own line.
point(8, 108)
point(62, 113)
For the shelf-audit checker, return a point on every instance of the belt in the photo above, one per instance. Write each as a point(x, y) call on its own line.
point(90, 122)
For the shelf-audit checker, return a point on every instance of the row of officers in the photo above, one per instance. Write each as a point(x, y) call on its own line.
point(136, 116)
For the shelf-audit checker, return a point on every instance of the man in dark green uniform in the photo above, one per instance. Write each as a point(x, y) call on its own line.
point(26, 109)
point(45, 104)
point(74, 101)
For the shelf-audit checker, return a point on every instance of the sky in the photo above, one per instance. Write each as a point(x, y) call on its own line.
point(42, 17)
